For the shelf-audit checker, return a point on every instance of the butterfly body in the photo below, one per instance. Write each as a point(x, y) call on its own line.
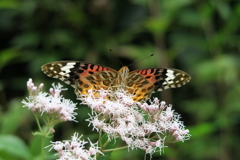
point(140, 83)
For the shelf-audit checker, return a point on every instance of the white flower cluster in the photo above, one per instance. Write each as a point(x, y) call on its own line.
point(53, 104)
point(144, 126)
point(75, 149)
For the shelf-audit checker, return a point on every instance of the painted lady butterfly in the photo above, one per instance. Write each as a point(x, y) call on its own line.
point(141, 83)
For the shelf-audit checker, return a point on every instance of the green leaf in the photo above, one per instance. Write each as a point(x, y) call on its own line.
point(11, 120)
point(36, 150)
point(35, 145)
point(108, 145)
point(37, 133)
point(13, 146)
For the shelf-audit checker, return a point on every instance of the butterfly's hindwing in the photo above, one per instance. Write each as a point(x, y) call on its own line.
point(139, 86)
point(97, 81)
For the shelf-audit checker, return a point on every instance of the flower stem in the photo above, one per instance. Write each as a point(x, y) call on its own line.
point(43, 135)
point(39, 126)
point(43, 142)
point(107, 150)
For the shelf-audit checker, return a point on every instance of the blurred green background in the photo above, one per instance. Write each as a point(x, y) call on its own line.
point(200, 37)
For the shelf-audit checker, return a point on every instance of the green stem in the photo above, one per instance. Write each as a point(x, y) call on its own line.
point(100, 137)
point(43, 142)
point(105, 144)
point(102, 146)
point(107, 150)
point(42, 134)
point(38, 123)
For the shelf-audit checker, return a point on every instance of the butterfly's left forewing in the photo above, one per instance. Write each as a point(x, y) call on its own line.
point(163, 78)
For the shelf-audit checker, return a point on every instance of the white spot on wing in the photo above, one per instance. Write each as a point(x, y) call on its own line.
point(169, 80)
point(67, 67)
point(170, 74)
point(63, 74)
point(71, 63)
point(177, 74)
point(164, 83)
point(166, 87)
point(170, 71)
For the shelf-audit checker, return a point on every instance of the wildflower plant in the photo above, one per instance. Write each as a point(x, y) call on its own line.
point(139, 125)
point(75, 149)
point(51, 107)
point(115, 116)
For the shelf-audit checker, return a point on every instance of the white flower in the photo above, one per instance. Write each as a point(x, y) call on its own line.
point(53, 104)
point(140, 125)
point(75, 149)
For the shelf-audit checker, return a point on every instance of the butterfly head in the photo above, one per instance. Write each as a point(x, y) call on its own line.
point(124, 70)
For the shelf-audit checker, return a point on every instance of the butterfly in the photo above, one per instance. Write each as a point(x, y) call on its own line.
point(140, 83)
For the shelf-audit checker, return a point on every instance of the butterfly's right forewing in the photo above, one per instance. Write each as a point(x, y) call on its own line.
point(165, 78)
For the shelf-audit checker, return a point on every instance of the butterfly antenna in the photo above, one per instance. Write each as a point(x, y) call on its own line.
point(140, 60)
point(115, 56)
